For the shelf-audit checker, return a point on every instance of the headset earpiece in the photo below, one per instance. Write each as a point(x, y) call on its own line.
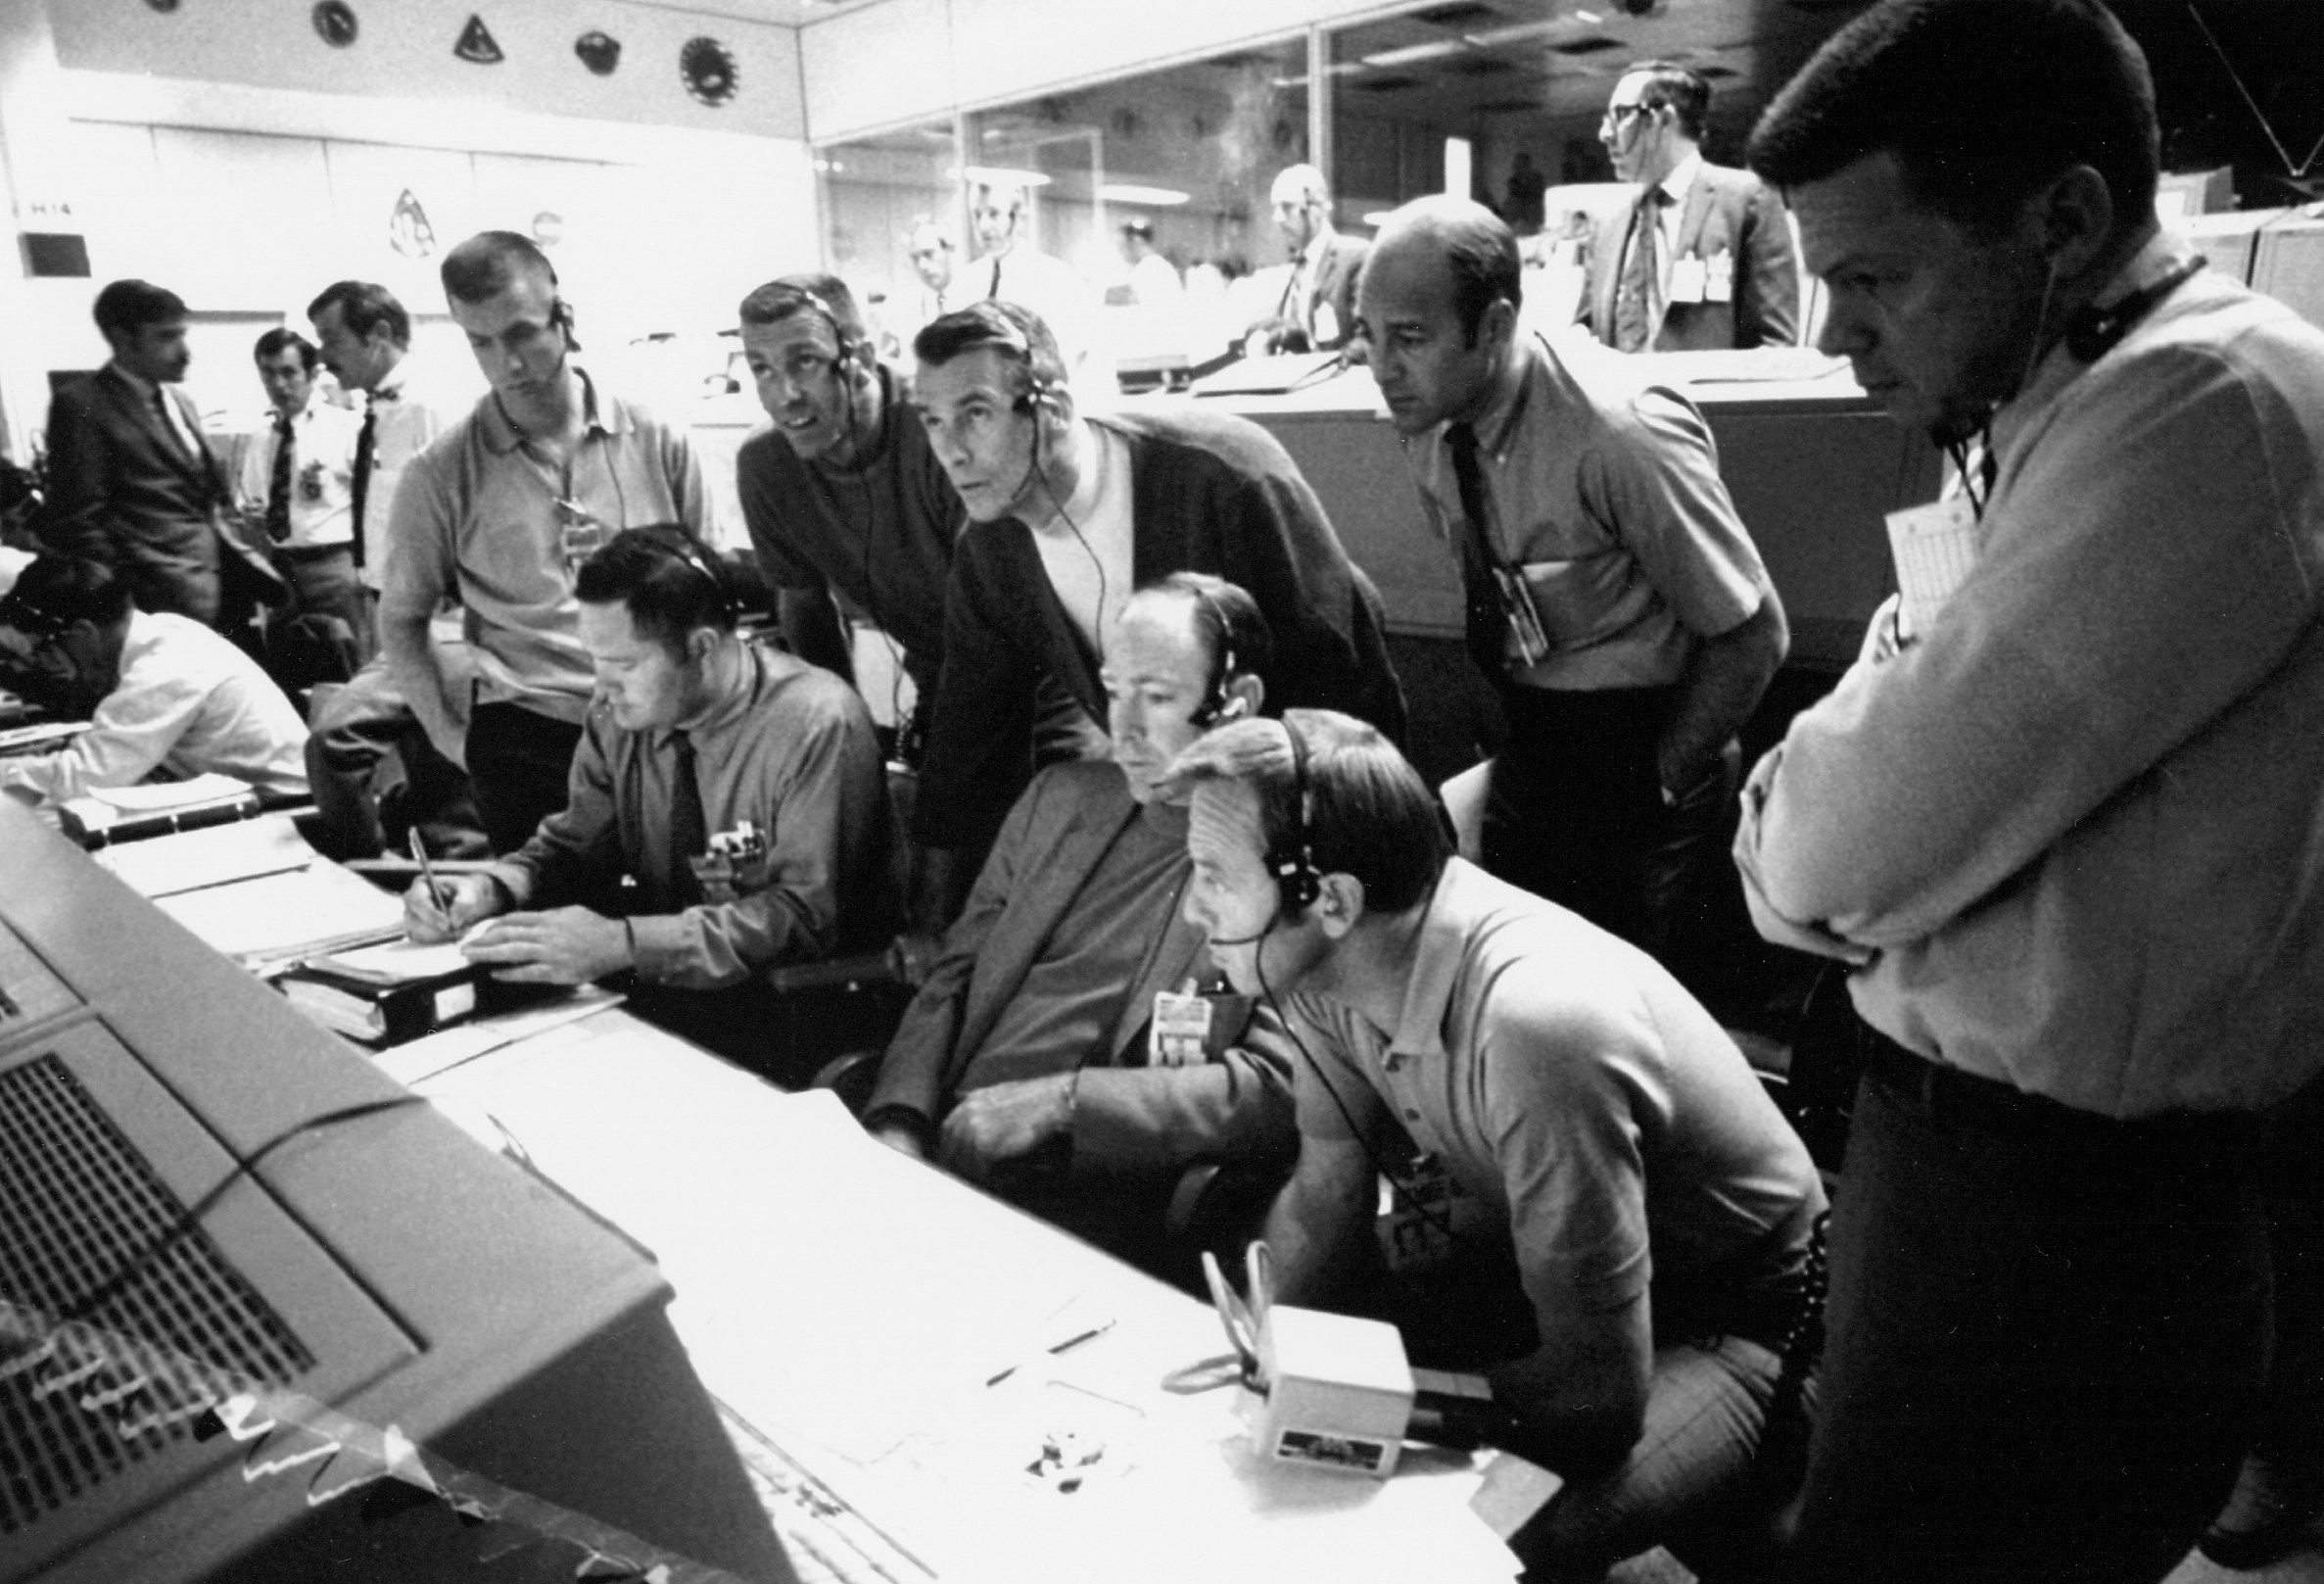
point(1298, 881)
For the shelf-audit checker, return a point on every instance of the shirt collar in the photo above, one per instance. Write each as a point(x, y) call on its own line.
point(1497, 424)
point(501, 437)
point(144, 387)
point(1681, 182)
point(748, 692)
point(1438, 957)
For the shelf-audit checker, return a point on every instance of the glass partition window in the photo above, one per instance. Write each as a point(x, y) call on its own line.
point(891, 223)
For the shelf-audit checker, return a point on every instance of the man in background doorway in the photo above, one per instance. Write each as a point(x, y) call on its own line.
point(1009, 268)
point(1701, 258)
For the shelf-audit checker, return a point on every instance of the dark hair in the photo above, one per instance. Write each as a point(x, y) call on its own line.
point(126, 307)
point(482, 266)
point(788, 296)
point(1140, 229)
point(665, 577)
point(1011, 328)
point(1227, 619)
point(51, 592)
point(274, 341)
point(364, 306)
point(1373, 815)
point(1671, 86)
point(1982, 101)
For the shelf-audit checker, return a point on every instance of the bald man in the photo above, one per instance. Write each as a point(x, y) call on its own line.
point(1613, 597)
point(1316, 312)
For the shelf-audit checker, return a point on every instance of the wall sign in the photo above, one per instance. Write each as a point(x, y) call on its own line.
point(335, 21)
point(709, 70)
point(600, 52)
point(477, 44)
point(409, 230)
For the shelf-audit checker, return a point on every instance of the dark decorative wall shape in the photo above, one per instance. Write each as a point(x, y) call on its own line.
point(600, 52)
point(477, 44)
point(709, 70)
point(163, 6)
point(335, 22)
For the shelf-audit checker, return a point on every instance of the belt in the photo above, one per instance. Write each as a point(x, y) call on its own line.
point(314, 553)
point(1949, 1095)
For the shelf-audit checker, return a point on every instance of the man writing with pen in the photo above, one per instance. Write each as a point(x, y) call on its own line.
point(726, 812)
point(498, 512)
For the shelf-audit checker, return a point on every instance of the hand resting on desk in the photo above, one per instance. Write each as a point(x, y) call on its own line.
point(566, 946)
point(1002, 1120)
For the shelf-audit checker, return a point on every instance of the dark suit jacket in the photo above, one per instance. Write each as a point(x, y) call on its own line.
point(1335, 283)
point(124, 491)
point(1728, 211)
point(1210, 492)
point(1126, 1118)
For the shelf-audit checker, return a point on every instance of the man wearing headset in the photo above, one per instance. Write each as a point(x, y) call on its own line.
point(737, 789)
point(1596, 1201)
point(498, 512)
point(1074, 1047)
point(1068, 513)
point(2061, 818)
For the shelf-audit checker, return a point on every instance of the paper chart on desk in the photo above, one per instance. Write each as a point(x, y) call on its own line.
point(397, 962)
point(417, 1059)
point(194, 859)
point(312, 907)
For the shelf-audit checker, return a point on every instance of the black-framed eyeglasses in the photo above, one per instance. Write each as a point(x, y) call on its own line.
point(1616, 114)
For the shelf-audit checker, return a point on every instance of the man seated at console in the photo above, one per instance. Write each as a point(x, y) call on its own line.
point(1067, 512)
point(1072, 1048)
point(162, 692)
point(1595, 1200)
point(736, 789)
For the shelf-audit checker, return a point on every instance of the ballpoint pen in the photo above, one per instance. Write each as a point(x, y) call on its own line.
point(427, 872)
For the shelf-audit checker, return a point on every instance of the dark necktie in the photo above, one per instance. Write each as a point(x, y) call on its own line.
point(689, 832)
point(1488, 621)
point(279, 489)
point(358, 493)
point(994, 295)
point(1641, 275)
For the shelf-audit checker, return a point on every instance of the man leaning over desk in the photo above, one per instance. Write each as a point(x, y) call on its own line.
point(726, 813)
point(1072, 1047)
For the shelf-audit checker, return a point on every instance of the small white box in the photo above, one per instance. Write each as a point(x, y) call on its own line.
point(1339, 1391)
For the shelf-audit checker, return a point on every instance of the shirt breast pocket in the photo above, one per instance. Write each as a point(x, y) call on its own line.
point(1577, 601)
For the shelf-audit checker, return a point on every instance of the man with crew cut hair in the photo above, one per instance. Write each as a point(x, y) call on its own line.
point(2059, 819)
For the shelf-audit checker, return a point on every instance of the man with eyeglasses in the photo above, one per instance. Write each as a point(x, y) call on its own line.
point(498, 512)
point(1702, 257)
point(162, 692)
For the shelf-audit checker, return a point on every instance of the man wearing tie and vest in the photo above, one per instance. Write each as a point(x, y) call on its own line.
point(1702, 258)
point(294, 479)
point(736, 789)
point(1613, 596)
point(1316, 312)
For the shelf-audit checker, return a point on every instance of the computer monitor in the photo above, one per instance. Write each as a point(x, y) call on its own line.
point(164, 1177)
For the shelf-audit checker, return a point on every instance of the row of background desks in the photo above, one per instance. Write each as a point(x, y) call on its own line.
point(852, 1308)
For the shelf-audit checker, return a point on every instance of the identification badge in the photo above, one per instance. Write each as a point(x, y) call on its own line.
point(1935, 547)
point(1720, 287)
point(1687, 280)
point(1417, 1232)
point(1180, 1033)
point(731, 855)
